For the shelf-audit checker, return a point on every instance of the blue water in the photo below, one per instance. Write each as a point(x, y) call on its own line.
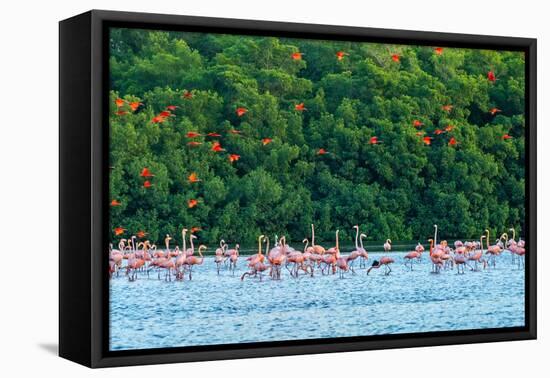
point(213, 309)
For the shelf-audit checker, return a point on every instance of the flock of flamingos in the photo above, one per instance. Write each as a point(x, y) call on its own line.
point(144, 257)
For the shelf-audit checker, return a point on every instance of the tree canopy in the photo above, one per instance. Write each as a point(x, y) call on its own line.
point(236, 136)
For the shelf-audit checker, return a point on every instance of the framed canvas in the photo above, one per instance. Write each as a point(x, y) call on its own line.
point(234, 188)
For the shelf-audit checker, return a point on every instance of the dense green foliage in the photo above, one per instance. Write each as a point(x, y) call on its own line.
point(397, 189)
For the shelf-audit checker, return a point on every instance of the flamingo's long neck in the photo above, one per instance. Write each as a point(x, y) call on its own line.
point(361, 241)
point(435, 235)
point(513, 234)
point(192, 246)
point(431, 247)
point(312, 235)
point(267, 245)
point(260, 245)
point(305, 248)
point(356, 237)
point(184, 243)
point(200, 253)
point(337, 245)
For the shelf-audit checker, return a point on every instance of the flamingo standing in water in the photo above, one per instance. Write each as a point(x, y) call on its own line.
point(358, 252)
point(277, 257)
point(233, 258)
point(166, 262)
point(256, 263)
point(385, 262)
point(387, 245)
point(460, 257)
point(330, 257)
point(181, 258)
point(409, 257)
point(194, 260)
point(218, 259)
point(435, 256)
point(316, 248)
point(477, 256)
point(341, 261)
point(492, 250)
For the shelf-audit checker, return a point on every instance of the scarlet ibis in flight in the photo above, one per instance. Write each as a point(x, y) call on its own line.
point(187, 95)
point(141, 234)
point(438, 50)
point(506, 137)
point(374, 140)
point(193, 178)
point(494, 111)
point(193, 144)
point(340, 55)
point(135, 105)
point(417, 123)
point(216, 147)
point(235, 132)
point(115, 203)
point(145, 172)
point(438, 131)
point(300, 107)
point(192, 134)
point(119, 102)
point(491, 76)
point(119, 231)
point(449, 128)
point(322, 151)
point(297, 55)
point(192, 203)
point(166, 113)
point(172, 107)
point(195, 229)
point(447, 108)
point(147, 184)
point(396, 58)
point(158, 119)
point(121, 112)
point(241, 111)
point(266, 141)
point(452, 141)
point(234, 157)
point(427, 140)
point(213, 135)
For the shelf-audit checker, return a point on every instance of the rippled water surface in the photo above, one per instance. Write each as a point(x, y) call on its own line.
point(212, 309)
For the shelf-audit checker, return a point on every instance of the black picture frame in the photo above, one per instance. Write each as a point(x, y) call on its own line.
point(83, 141)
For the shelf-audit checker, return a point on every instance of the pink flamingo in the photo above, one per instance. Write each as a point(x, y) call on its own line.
point(358, 252)
point(181, 258)
point(409, 257)
point(460, 258)
point(233, 258)
point(257, 263)
point(218, 259)
point(316, 248)
point(477, 256)
point(329, 259)
point(384, 261)
point(387, 245)
point(191, 261)
point(313, 258)
point(492, 250)
point(435, 256)
point(277, 257)
point(341, 261)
